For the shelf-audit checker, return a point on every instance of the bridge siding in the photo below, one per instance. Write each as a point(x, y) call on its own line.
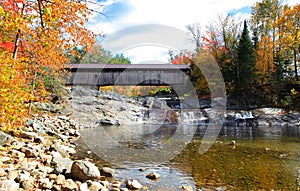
point(133, 75)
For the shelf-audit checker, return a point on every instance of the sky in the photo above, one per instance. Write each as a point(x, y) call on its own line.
point(121, 14)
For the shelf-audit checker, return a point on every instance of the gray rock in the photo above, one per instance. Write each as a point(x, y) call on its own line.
point(134, 184)
point(84, 187)
point(27, 185)
point(105, 183)
point(9, 185)
point(24, 176)
point(153, 176)
point(94, 186)
point(69, 185)
point(84, 170)
point(60, 179)
point(39, 140)
point(16, 154)
point(187, 188)
point(2, 172)
point(46, 159)
point(12, 174)
point(223, 188)
point(62, 165)
point(116, 184)
point(107, 121)
point(109, 172)
point(29, 135)
point(5, 139)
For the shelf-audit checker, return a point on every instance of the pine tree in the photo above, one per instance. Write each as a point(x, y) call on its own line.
point(245, 62)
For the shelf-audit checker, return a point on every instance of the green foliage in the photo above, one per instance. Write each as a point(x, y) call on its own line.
point(245, 62)
point(162, 91)
point(119, 59)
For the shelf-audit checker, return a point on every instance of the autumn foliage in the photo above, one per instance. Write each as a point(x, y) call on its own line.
point(35, 38)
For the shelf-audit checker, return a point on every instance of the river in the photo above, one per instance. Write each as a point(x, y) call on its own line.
point(262, 158)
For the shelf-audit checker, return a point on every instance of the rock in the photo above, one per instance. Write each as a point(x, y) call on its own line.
point(153, 176)
point(27, 185)
point(84, 170)
point(45, 159)
point(52, 176)
point(187, 188)
point(56, 187)
point(124, 189)
point(39, 140)
point(12, 174)
point(28, 135)
point(84, 187)
point(47, 107)
point(2, 172)
point(16, 154)
point(60, 179)
point(69, 185)
point(5, 139)
point(108, 172)
point(62, 165)
point(29, 153)
point(223, 188)
point(94, 186)
point(24, 176)
point(134, 184)
point(105, 183)
point(116, 184)
point(46, 183)
point(9, 185)
point(107, 121)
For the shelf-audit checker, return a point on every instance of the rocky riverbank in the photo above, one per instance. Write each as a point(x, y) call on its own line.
point(40, 158)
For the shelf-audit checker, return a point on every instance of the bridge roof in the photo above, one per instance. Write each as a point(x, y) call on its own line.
point(130, 66)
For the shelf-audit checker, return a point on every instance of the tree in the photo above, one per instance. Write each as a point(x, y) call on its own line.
point(266, 36)
point(35, 36)
point(119, 59)
point(195, 31)
point(245, 62)
point(221, 40)
point(289, 40)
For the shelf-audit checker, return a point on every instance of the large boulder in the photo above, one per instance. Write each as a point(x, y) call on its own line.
point(62, 165)
point(85, 170)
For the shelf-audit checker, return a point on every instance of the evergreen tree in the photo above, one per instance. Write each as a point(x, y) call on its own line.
point(245, 63)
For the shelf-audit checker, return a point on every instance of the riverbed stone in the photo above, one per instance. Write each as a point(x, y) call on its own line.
point(16, 154)
point(62, 165)
point(133, 184)
point(60, 179)
point(106, 171)
point(84, 170)
point(12, 174)
point(187, 188)
point(9, 185)
point(27, 185)
point(69, 185)
point(94, 186)
point(153, 176)
point(5, 139)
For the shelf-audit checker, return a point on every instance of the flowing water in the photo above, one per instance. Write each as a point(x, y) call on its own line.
point(262, 158)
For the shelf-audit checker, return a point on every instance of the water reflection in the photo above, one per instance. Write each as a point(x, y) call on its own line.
point(264, 158)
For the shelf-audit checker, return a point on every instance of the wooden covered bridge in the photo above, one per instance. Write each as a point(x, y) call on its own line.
point(127, 74)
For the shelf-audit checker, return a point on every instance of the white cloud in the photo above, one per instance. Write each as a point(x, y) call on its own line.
point(175, 13)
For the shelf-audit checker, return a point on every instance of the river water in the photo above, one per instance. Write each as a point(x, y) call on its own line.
point(262, 158)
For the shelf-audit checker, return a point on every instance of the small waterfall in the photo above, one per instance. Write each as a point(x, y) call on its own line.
point(192, 117)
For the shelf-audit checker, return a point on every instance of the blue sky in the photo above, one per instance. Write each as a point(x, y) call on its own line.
point(121, 14)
